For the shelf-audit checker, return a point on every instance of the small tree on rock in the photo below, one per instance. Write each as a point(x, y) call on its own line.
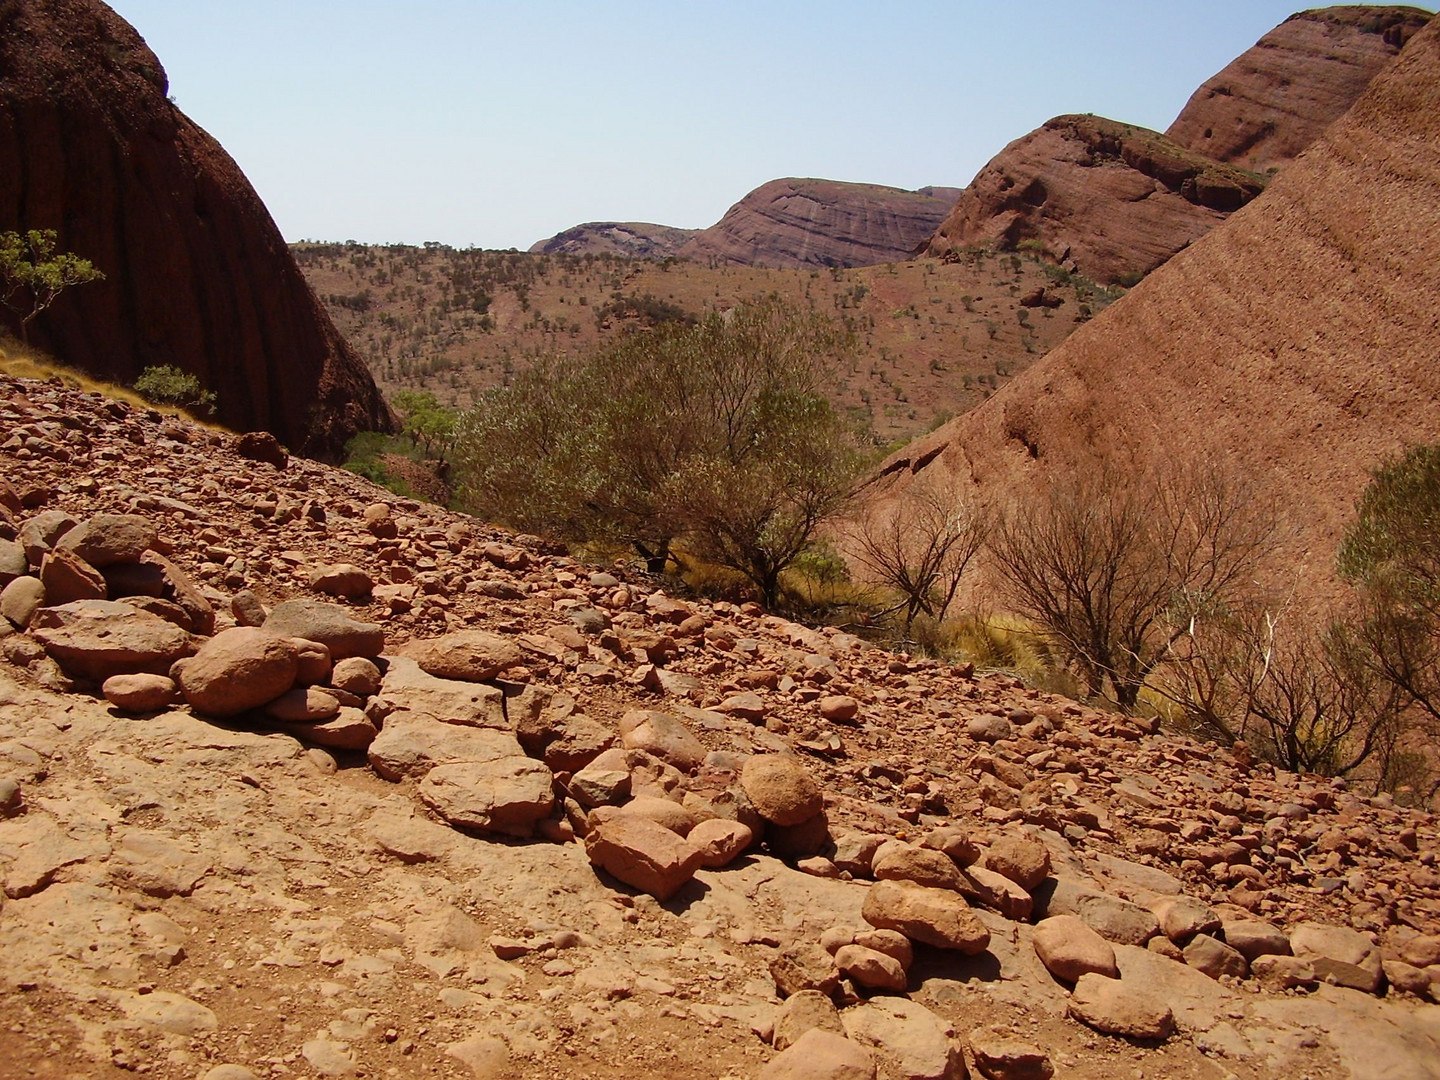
point(32, 275)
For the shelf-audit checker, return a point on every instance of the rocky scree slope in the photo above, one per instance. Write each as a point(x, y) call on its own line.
point(802, 222)
point(1109, 200)
point(1297, 340)
point(300, 778)
point(197, 275)
point(627, 239)
point(1277, 97)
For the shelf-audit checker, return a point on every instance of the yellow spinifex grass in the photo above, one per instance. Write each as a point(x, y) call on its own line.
point(25, 362)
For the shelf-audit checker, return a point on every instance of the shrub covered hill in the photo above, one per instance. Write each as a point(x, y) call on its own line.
point(1297, 340)
point(299, 778)
point(197, 276)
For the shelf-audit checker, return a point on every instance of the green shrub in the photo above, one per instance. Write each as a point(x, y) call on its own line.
point(167, 385)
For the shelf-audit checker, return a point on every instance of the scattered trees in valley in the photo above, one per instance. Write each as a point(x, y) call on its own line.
point(718, 435)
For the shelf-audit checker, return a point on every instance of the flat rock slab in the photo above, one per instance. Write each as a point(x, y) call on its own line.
point(407, 686)
point(467, 655)
point(95, 639)
point(411, 744)
point(913, 1041)
point(507, 795)
point(329, 624)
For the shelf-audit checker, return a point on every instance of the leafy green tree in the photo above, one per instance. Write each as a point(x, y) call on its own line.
point(165, 384)
point(428, 423)
point(719, 433)
point(33, 275)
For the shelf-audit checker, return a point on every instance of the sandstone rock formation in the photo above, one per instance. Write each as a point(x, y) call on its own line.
point(794, 222)
point(627, 239)
point(1276, 98)
point(1297, 340)
point(1104, 198)
point(197, 275)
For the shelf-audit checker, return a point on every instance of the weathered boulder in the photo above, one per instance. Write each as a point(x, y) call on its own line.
point(870, 968)
point(1339, 954)
point(140, 693)
point(1069, 948)
point(804, 965)
point(821, 1055)
point(506, 795)
point(897, 861)
point(1182, 917)
point(664, 736)
point(329, 624)
point(467, 655)
point(803, 1011)
point(999, 1056)
point(913, 1041)
point(643, 854)
point(1116, 920)
point(94, 639)
point(1022, 859)
point(720, 841)
point(406, 686)
point(106, 539)
point(20, 599)
point(411, 744)
point(936, 917)
point(1110, 1006)
point(342, 579)
point(780, 789)
point(1215, 958)
point(237, 670)
point(68, 578)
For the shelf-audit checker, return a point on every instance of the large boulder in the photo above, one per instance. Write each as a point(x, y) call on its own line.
point(1115, 1008)
point(237, 670)
point(467, 655)
point(915, 1042)
point(643, 854)
point(821, 1055)
point(936, 917)
point(95, 639)
point(507, 795)
point(329, 624)
point(662, 735)
point(1069, 949)
point(1338, 953)
point(411, 744)
point(780, 789)
point(107, 539)
point(68, 578)
point(406, 686)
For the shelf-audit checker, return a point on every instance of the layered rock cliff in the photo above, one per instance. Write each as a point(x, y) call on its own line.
point(628, 239)
point(794, 222)
point(1276, 98)
point(1104, 198)
point(197, 274)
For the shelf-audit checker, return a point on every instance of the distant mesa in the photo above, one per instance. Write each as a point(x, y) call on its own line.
point(785, 223)
point(1276, 98)
point(1298, 340)
point(197, 275)
point(1107, 199)
point(800, 223)
point(627, 239)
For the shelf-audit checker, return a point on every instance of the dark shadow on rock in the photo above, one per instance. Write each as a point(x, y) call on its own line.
point(947, 964)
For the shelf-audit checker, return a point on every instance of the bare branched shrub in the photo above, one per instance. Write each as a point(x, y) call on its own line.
point(1113, 566)
point(920, 546)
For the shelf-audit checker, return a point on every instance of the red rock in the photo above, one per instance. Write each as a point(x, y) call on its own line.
point(149, 197)
point(262, 446)
point(1270, 103)
point(628, 239)
point(644, 855)
point(821, 1055)
point(507, 795)
point(721, 842)
point(140, 693)
point(936, 917)
point(793, 222)
point(238, 670)
point(1068, 949)
point(106, 539)
point(662, 735)
point(68, 577)
point(781, 789)
point(1109, 1005)
point(95, 639)
point(466, 655)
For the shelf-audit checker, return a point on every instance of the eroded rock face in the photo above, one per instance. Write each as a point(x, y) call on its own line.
point(1104, 198)
point(794, 222)
point(1275, 99)
point(198, 276)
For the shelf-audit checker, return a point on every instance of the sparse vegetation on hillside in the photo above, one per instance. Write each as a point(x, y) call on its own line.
point(164, 384)
point(718, 433)
point(457, 322)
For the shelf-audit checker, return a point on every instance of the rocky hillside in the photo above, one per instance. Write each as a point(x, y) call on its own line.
point(1298, 339)
point(298, 778)
point(1109, 200)
point(626, 239)
point(1276, 98)
point(794, 222)
point(197, 275)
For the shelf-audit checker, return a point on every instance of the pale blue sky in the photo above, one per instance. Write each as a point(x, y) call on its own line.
point(498, 124)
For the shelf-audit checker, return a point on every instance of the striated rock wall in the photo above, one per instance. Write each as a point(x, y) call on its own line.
point(198, 276)
point(1104, 198)
point(793, 222)
point(1298, 339)
point(628, 239)
point(1276, 98)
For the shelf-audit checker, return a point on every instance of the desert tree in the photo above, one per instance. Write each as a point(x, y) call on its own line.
point(33, 274)
point(718, 432)
point(919, 544)
point(1113, 564)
